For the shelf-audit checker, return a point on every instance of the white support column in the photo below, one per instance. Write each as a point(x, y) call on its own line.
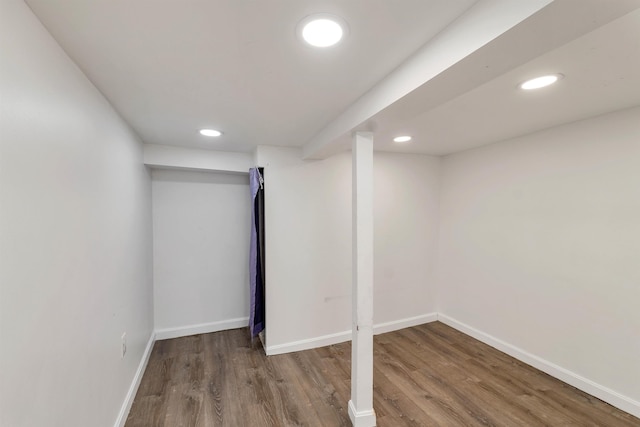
point(361, 404)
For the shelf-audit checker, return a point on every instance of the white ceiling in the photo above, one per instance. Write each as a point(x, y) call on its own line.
point(601, 69)
point(172, 67)
point(602, 74)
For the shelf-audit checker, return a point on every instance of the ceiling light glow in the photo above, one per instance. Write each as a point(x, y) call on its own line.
point(540, 82)
point(401, 139)
point(322, 30)
point(210, 132)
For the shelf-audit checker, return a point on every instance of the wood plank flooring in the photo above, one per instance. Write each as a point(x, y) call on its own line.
point(428, 375)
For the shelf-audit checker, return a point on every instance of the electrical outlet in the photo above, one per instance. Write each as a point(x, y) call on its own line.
point(123, 345)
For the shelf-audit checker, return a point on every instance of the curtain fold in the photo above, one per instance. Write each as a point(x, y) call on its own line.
point(256, 253)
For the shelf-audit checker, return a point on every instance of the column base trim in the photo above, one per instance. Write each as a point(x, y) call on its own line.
point(362, 418)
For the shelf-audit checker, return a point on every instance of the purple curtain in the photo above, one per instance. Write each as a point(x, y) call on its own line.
point(256, 252)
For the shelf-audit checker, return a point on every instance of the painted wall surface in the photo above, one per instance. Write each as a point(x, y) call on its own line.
point(406, 215)
point(201, 233)
point(308, 245)
point(308, 223)
point(540, 242)
point(75, 238)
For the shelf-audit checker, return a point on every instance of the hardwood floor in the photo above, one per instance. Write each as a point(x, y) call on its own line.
point(428, 375)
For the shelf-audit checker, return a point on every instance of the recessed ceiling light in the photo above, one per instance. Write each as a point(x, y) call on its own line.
point(322, 29)
point(210, 132)
point(540, 82)
point(402, 139)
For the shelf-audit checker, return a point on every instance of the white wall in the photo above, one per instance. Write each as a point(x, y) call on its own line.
point(540, 242)
point(201, 232)
point(406, 214)
point(75, 238)
point(308, 246)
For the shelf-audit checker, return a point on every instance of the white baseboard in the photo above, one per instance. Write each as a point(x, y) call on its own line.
point(202, 328)
point(343, 336)
point(163, 334)
point(308, 343)
point(606, 394)
point(382, 328)
point(133, 389)
point(601, 392)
